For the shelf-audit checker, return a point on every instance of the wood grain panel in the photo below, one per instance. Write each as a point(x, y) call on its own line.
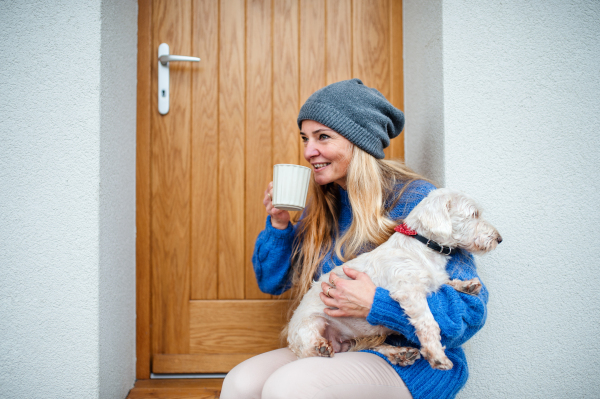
point(198, 363)
point(186, 383)
point(286, 86)
point(197, 388)
point(286, 82)
point(258, 128)
point(174, 393)
point(339, 40)
point(171, 185)
point(236, 326)
point(231, 150)
point(396, 72)
point(371, 63)
point(371, 55)
point(142, 199)
point(205, 146)
point(312, 52)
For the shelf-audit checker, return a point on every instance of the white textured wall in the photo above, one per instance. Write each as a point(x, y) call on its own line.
point(67, 192)
point(520, 131)
point(424, 151)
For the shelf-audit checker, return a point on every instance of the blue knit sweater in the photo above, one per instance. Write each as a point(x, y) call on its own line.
point(459, 315)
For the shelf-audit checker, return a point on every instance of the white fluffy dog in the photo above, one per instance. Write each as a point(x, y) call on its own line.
point(410, 270)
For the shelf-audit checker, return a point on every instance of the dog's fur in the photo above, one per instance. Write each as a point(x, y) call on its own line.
point(410, 271)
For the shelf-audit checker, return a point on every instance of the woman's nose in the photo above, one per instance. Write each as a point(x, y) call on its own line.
point(310, 151)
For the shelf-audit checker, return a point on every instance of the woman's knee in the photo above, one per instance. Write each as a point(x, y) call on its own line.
point(241, 382)
point(246, 380)
point(295, 380)
point(282, 384)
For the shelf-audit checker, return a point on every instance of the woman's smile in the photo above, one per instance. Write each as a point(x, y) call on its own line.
point(319, 166)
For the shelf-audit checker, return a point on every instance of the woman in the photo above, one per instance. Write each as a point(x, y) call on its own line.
point(356, 201)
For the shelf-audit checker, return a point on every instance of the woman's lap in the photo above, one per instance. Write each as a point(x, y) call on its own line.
point(277, 374)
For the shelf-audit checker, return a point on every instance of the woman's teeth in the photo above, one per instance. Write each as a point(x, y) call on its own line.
point(320, 165)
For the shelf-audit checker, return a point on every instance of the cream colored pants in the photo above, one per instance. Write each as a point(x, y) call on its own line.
point(279, 374)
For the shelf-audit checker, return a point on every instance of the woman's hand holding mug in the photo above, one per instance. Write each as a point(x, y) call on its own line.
point(279, 217)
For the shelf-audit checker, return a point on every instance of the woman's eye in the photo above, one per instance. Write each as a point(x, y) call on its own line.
point(323, 137)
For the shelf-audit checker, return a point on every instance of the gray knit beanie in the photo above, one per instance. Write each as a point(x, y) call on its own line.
point(359, 113)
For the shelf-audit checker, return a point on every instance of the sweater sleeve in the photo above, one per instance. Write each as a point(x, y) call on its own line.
point(459, 315)
point(271, 258)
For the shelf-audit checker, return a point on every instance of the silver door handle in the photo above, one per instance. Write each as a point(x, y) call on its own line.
point(164, 58)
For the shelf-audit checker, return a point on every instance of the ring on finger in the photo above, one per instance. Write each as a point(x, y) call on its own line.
point(271, 198)
point(327, 293)
point(333, 280)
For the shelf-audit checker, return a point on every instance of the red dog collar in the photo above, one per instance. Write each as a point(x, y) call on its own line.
point(404, 229)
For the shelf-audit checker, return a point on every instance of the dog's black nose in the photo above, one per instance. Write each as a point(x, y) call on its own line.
point(499, 239)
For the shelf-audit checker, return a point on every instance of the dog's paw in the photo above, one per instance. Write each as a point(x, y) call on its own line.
point(323, 348)
point(471, 287)
point(403, 356)
point(441, 363)
point(437, 360)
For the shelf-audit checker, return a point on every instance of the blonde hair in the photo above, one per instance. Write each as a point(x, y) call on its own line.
point(371, 185)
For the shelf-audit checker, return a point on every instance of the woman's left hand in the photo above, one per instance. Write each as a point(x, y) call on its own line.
point(352, 298)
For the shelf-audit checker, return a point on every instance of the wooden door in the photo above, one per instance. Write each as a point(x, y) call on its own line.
point(202, 168)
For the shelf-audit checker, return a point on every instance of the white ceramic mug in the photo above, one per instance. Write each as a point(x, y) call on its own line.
point(290, 186)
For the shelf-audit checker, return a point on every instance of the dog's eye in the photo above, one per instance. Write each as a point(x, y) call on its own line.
point(476, 214)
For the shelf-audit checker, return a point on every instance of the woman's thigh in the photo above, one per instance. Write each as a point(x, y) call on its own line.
point(346, 376)
point(246, 380)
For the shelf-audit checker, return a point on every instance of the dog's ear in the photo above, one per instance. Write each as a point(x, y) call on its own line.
point(436, 217)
